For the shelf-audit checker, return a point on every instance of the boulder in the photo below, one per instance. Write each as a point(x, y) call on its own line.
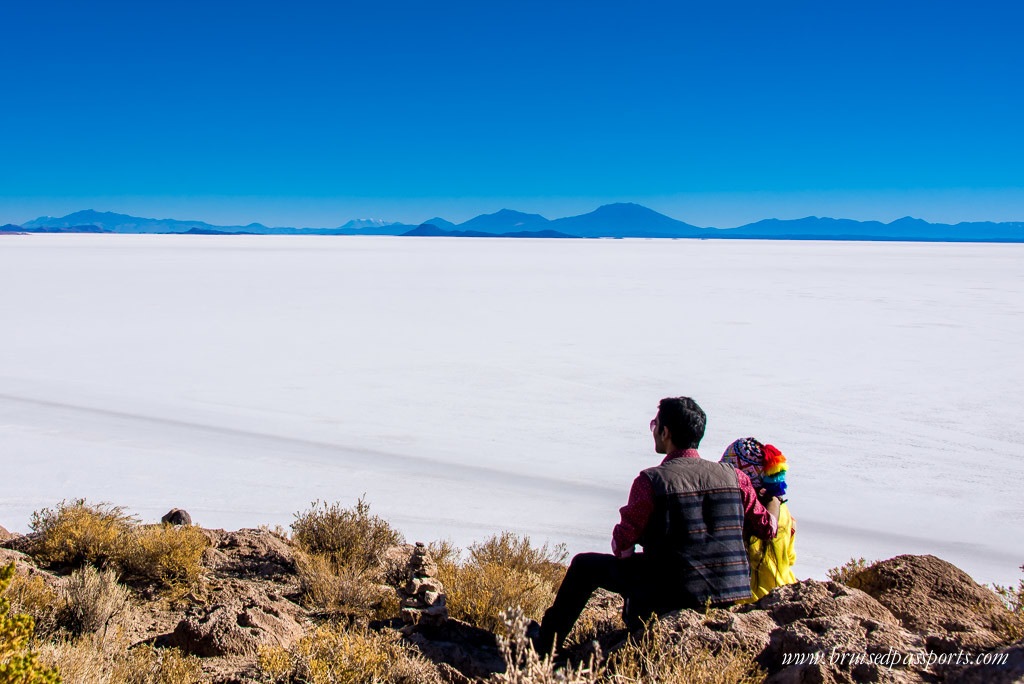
point(237, 626)
point(471, 651)
point(997, 671)
point(938, 599)
point(846, 630)
point(20, 559)
point(20, 542)
point(176, 516)
point(808, 621)
point(249, 552)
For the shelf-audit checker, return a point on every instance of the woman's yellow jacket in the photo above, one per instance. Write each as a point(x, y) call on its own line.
point(771, 563)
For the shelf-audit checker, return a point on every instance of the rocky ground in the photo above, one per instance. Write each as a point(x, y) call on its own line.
point(907, 610)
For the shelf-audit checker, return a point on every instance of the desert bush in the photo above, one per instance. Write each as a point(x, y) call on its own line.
point(75, 532)
point(31, 595)
point(168, 554)
point(844, 572)
point(331, 654)
point(524, 666)
point(503, 572)
point(89, 659)
point(653, 659)
point(510, 551)
point(349, 591)
point(349, 536)
point(1013, 598)
point(650, 659)
point(92, 600)
point(19, 664)
point(592, 624)
point(444, 552)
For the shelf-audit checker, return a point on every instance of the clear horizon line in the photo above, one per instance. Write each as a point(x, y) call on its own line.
point(387, 222)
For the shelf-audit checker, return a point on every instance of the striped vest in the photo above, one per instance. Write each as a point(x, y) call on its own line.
point(694, 538)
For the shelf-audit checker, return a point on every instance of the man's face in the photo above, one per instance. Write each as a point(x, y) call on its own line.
point(659, 433)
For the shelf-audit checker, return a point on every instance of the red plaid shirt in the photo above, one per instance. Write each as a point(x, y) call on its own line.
point(756, 518)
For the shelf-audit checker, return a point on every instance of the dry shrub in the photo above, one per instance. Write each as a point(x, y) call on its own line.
point(90, 659)
point(654, 658)
point(348, 591)
point(444, 552)
point(1013, 598)
point(351, 537)
point(516, 553)
point(30, 595)
point(503, 572)
point(524, 666)
point(592, 624)
point(75, 532)
point(168, 554)
point(18, 662)
point(330, 654)
point(844, 572)
point(92, 600)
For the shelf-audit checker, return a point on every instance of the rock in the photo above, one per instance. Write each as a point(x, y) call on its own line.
point(420, 595)
point(19, 558)
point(20, 542)
point(176, 516)
point(471, 651)
point(4, 534)
point(718, 629)
point(997, 672)
point(249, 553)
point(394, 562)
point(930, 596)
point(844, 626)
point(804, 619)
point(236, 627)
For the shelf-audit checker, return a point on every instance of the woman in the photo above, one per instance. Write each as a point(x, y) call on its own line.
point(771, 562)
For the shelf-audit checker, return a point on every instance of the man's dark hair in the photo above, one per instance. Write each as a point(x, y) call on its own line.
point(684, 419)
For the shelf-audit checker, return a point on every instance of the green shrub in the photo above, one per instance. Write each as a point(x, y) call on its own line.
point(73, 533)
point(19, 664)
point(351, 537)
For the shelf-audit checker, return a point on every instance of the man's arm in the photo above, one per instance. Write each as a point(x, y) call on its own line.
point(634, 517)
point(758, 520)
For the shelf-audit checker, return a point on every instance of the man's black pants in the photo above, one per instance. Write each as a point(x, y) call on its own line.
point(630, 577)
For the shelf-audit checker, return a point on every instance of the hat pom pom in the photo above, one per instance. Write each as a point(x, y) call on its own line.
point(774, 460)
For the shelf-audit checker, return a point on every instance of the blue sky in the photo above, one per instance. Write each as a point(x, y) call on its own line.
point(309, 114)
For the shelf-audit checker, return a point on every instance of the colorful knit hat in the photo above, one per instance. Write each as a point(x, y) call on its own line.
point(762, 463)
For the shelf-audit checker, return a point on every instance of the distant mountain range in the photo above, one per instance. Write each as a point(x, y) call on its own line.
point(623, 220)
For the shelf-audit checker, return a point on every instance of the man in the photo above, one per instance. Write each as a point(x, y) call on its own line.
point(689, 515)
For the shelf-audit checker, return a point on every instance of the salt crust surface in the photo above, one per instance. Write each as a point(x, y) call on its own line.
point(468, 386)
